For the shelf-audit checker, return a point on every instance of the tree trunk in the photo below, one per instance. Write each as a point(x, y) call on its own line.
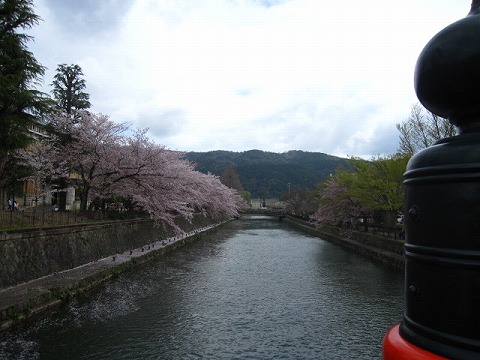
point(3, 177)
point(84, 198)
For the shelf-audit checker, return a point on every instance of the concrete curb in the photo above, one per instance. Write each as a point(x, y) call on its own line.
point(391, 255)
point(23, 301)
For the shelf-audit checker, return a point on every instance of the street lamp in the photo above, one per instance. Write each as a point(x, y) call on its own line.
point(442, 189)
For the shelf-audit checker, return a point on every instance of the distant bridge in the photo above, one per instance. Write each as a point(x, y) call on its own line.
point(280, 213)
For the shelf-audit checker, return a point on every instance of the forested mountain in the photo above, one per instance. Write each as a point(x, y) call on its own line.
point(266, 174)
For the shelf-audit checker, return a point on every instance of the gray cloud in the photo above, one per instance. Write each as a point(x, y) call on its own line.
point(87, 17)
point(164, 123)
point(269, 3)
point(264, 3)
point(328, 129)
point(385, 141)
point(274, 75)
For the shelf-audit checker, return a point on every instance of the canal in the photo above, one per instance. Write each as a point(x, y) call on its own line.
point(254, 289)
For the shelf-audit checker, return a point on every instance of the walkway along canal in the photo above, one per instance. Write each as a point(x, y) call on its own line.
point(380, 248)
point(255, 288)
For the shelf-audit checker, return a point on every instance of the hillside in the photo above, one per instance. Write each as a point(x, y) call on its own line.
point(266, 174)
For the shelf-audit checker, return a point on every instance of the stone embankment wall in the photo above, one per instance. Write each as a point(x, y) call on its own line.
point(31, 254)
point(386, 250)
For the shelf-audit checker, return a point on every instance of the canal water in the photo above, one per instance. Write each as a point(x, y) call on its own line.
point(254, 289)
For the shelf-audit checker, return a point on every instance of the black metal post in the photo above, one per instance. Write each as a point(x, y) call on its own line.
point(442, 185)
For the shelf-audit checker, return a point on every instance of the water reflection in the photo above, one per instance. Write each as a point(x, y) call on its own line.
point(255, 289)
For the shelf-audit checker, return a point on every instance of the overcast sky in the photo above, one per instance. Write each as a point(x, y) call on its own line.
point(331, 76)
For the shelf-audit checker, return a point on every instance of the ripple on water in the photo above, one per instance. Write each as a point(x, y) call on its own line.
point(252, 290)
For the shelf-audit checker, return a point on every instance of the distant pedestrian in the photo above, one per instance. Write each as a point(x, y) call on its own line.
point(10, 204)
point(15, 205)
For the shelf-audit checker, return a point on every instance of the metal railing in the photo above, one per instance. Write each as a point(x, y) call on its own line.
point(38, 218)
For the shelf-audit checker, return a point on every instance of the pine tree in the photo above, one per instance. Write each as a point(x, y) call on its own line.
point(20, 73)
point(68, 89)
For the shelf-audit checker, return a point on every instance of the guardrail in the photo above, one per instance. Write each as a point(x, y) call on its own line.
point(14, 220)
point(266, 211)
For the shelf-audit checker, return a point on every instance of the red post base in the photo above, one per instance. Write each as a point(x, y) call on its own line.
point(396, 348)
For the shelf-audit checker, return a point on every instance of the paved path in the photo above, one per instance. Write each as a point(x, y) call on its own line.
point(27, 299)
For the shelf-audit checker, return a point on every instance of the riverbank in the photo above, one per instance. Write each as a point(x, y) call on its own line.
point(25, 300)
point(252, 289)
point(379, 248)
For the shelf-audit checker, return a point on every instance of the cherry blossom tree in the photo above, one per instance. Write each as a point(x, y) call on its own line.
point(163, 183)
point(85, 146)
point(337, 203)
point(370, 187)
point(159, 181)
point(302, 202)
point(45, 164)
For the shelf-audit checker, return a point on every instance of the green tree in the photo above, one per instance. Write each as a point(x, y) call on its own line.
point(301, 202)
point(247, 197)
point(373, 186)
point(231, 179)
point(68, 89)
point(20, 73)
point(422, 129)
point(337, 202)
point(378, 183)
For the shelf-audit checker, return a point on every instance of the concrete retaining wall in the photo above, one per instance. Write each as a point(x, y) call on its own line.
point(31, 254)
point(386, 250)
